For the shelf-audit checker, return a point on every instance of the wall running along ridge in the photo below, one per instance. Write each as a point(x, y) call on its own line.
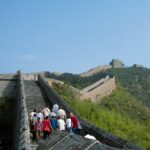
point(95, 70)
point(99, 89)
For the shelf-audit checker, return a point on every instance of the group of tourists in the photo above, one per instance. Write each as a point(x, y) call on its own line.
point(44, 121)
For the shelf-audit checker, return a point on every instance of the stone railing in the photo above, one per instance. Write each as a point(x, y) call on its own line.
point(23, 137)
point(95, 85)
point(99, 89)
point(53, 97)
point(29, 76)
point(87, 127)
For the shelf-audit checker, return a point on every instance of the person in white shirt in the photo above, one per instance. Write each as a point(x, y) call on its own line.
point(61, 124)
point(40, 115)
point(32, 114)
point(33, 122)
point(68, 125)
point(46, 111)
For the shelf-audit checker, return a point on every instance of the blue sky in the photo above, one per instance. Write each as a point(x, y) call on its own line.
point(72, 35)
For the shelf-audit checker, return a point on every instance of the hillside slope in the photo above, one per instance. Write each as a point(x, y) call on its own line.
point(78, 81)
point(126, 113)
point(135, 80)
point(119, 114)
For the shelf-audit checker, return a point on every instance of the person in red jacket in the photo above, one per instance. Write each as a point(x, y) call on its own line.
point(47, 128)
point(74, 121)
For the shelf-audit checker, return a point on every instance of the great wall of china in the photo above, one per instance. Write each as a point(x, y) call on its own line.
point(99, 89)
point(102, 88)
point(30, 91)
point(95, 92)
point(95, 70)
point(115, 63)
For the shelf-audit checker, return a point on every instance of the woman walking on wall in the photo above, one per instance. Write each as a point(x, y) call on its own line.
point(47, 128)
point(38, 129)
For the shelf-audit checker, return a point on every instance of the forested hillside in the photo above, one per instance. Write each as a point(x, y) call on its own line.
point(119, 114)
point(126, 113)
point(78, 81)
point(135, 80)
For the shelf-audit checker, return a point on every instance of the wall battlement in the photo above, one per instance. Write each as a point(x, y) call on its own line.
point(27, 76)
point(95, 70)
point(99, 89)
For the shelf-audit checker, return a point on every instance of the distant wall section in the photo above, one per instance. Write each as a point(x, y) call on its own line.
point(95, 70)
point(100, 89)
point(27, 76)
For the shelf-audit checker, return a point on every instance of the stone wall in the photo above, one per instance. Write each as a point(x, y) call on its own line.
point(95, 70)
point(96, 84)
point(22, 137)
point(116, 63)
point(51, 81)
point(98, 90)
point(8, 85)
point(34, 76)
point(87, 127)
point(8, 88)
point(138, 66)
point(27, 76)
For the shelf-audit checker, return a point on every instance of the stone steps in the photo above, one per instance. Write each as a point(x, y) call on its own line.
point(35, 99)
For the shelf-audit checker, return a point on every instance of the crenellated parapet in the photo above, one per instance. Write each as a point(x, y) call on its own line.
point(23, 138)
point(100, 89)
point(29, 76)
